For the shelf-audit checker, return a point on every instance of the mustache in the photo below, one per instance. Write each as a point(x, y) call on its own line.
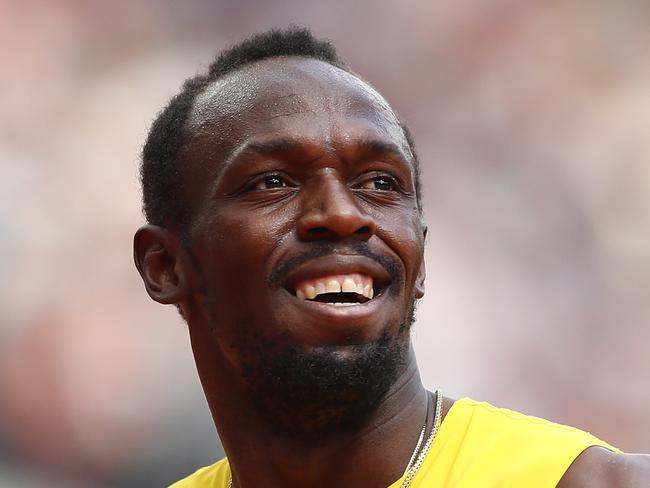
point(280, 273)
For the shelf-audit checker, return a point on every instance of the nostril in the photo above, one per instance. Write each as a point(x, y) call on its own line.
point(318, 231)
point(331, 225)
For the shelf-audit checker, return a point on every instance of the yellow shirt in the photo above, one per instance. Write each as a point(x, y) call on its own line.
point(478, 445)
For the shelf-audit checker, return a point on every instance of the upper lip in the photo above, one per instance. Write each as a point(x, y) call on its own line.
point(339, 264)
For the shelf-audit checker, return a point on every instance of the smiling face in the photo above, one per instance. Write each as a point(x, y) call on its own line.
point(305, 235)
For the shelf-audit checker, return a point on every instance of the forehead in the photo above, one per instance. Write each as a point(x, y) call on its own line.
point(290, 96)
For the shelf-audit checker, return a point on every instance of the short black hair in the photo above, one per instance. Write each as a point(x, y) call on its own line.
point(160, 172)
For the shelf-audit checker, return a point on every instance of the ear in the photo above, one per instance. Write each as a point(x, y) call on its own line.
point(160, 258)
point(422, 272)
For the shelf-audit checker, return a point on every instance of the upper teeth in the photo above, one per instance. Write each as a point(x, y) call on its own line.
point(349, 283)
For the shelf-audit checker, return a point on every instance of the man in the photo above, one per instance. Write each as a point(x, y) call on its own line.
point(284, 221)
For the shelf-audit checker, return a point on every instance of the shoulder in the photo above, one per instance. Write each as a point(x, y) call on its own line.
point(598, 467)
point(537, 452)
point(214, 475)
point(521, 429)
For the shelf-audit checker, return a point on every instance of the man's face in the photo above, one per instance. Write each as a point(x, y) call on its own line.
point(305, 230)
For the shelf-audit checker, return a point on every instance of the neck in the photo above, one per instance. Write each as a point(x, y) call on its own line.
point(372, 453)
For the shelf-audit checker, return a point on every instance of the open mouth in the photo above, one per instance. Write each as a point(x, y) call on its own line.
point(339, 290)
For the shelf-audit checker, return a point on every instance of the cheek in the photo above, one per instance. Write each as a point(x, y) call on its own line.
point(235, 250)
point(405, 238)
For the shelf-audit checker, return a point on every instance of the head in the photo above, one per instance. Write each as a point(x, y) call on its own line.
point(282, 195)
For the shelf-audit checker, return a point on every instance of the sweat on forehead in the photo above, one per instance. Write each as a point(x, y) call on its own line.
point(283, 86)
point(207, 114)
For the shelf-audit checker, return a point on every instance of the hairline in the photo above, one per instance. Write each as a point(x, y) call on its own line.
point(203, 94)
point(191, 130)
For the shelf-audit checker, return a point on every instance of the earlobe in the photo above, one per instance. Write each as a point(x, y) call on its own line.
point(419, 281)
point(158, 256)
point(422, 272)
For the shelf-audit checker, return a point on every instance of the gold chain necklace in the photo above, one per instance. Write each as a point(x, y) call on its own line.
point(436, 425)
point(413, 467)
point(417, 448)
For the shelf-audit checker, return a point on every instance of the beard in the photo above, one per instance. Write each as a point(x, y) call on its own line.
point(313, 394)
point(328, 390)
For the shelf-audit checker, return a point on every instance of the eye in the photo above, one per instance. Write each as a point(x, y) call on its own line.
point(269, 182)
point(381, 183)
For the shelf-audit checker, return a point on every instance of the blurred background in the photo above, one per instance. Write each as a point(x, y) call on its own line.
point(531, 119)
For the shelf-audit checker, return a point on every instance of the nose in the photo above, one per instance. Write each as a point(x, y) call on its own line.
point(332, 213)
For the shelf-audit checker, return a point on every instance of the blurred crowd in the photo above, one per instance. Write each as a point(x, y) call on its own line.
point(531, 120)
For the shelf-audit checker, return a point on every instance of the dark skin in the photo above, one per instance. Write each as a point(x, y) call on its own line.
point(600, 468)
point(288, 154)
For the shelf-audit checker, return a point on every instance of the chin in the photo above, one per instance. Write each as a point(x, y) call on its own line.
point(311, 393)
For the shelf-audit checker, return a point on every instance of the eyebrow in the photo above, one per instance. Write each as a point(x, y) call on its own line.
point(383, 147)
point(367, 145)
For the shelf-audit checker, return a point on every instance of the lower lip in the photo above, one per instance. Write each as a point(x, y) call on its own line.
point(341, 314)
